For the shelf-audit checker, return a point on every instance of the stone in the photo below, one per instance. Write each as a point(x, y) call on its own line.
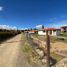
point(44, 61)
point(40, 52)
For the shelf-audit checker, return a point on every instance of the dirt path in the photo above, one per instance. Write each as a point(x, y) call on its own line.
point(11, 54)
point(9, 51)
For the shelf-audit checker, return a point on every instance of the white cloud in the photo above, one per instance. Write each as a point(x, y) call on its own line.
point(23, 28)
point(1, 8)
point(39, 25)
point(7, 27)
point(14, 28)
point(59, 24)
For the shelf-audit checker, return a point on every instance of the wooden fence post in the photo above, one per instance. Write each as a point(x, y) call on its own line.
point(48, 48)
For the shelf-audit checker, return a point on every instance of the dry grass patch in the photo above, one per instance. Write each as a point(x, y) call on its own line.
point(56, 56)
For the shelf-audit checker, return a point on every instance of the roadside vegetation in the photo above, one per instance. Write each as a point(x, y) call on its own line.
point(30, 54)
point(5, 35)
point(57, 41)
point(56, 56)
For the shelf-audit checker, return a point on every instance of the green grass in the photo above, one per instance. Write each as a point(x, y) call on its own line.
point(64, 34)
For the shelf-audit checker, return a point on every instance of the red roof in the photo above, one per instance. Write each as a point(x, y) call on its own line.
point(64, 27)
point(49, 29)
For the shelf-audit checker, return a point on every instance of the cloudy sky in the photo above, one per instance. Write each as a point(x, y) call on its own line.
point(29, 13)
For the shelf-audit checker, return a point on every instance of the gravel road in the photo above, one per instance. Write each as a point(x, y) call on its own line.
point(9, 51)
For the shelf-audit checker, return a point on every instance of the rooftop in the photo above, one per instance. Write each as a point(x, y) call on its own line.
point(64, 27)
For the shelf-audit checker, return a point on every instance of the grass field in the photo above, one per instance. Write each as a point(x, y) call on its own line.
point(53, 39)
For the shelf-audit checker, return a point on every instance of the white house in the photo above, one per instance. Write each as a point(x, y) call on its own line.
point(51, 31)
point(41, 32)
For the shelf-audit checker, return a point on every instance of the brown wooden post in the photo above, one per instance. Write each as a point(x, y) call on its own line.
point(48, 48)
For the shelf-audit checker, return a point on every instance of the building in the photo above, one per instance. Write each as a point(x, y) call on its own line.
point(64, 29)
point(51, 31)
point(32, 31)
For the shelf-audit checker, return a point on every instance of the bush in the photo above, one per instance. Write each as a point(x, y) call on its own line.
point(27, 48)
point(5, 35)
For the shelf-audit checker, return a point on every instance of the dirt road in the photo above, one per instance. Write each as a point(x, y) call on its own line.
point(9, 51)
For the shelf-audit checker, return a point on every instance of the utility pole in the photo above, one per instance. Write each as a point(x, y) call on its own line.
point(48, 48)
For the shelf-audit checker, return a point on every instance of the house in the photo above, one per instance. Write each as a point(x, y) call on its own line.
point(32, 31)
point(51, 31)
point(64, 29)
